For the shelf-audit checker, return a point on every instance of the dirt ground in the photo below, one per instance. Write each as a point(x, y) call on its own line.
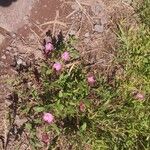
point(23, 24)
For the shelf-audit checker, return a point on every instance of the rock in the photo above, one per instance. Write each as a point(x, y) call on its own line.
point(12, 17)
point(38, 55)
point(86, 40)
point(127, 1)
point(72, 32)
point(97, 21)
point(8, 103)
point(104, 19)
point(48, 39)
point(87, 34)
point(9, 48)
point(99, 28)
point(2, 64)
point(75, 7)
point(13, 35)
point(3, 57)
point(31, 37)
point(96, 8)
point(20, 121)
point(21, 62)
point(7, 52)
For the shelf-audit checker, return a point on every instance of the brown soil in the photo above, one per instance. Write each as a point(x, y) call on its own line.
point(91, 21)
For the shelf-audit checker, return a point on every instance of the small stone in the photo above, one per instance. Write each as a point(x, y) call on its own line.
point(15, 54)
point(3, 57)
point(127, 1)
point(2, 64)
point(72, 32)
point(97, 21)
point(99, 28)
point(72, 17)
point(20, 62)
point(45, 6)
point(86, 40)
point(37, 22)
point(87, 34)
point(8, 103)
point(8, 48)
point(20, 121)
point(48, 39)
point(75, 7)
point(96, 8)
point(103, 20)
point(31, 37)
point(13, 35)
point(30, 24)
point(25, 18)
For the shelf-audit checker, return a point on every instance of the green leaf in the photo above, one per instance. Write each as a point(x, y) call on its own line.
point(83, 127)
point(37, 121)
point(38, 109)
point(48, 72)
point(54, 126)
point(60, 94)
point(28, 126)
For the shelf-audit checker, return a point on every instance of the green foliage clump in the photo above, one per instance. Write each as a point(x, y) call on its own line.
point(99, 116)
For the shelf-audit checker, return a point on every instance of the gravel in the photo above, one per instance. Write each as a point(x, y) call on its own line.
point(98, 28)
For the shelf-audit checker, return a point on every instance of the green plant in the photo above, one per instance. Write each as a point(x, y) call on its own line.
point(89, 111)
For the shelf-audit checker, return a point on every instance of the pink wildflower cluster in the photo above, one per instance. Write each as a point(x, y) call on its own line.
point(57, 66)
point(48, 117)
point(91, 80)
point(45, 138)
point(139, 96)
point(82, 107)
point(65, 56)
point(48, 48)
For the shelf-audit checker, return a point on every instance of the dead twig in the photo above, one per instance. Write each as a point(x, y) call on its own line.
point(52, 22)
point(85, 13)
point(73, 12)
point(54, 25)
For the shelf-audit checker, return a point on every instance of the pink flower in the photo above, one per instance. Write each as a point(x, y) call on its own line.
point(48, 48)
point(65, 56)
point(48, 117)
point(45, 138)
point(139, 96)
point(91, 80)
point(57, 66)
point(82, 107)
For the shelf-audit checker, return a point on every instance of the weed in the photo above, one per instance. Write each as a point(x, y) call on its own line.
point(77, 109)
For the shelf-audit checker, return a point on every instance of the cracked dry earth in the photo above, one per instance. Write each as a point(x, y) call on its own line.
point(23, 25)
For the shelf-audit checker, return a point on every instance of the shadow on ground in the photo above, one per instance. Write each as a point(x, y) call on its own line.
point(6, 3)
